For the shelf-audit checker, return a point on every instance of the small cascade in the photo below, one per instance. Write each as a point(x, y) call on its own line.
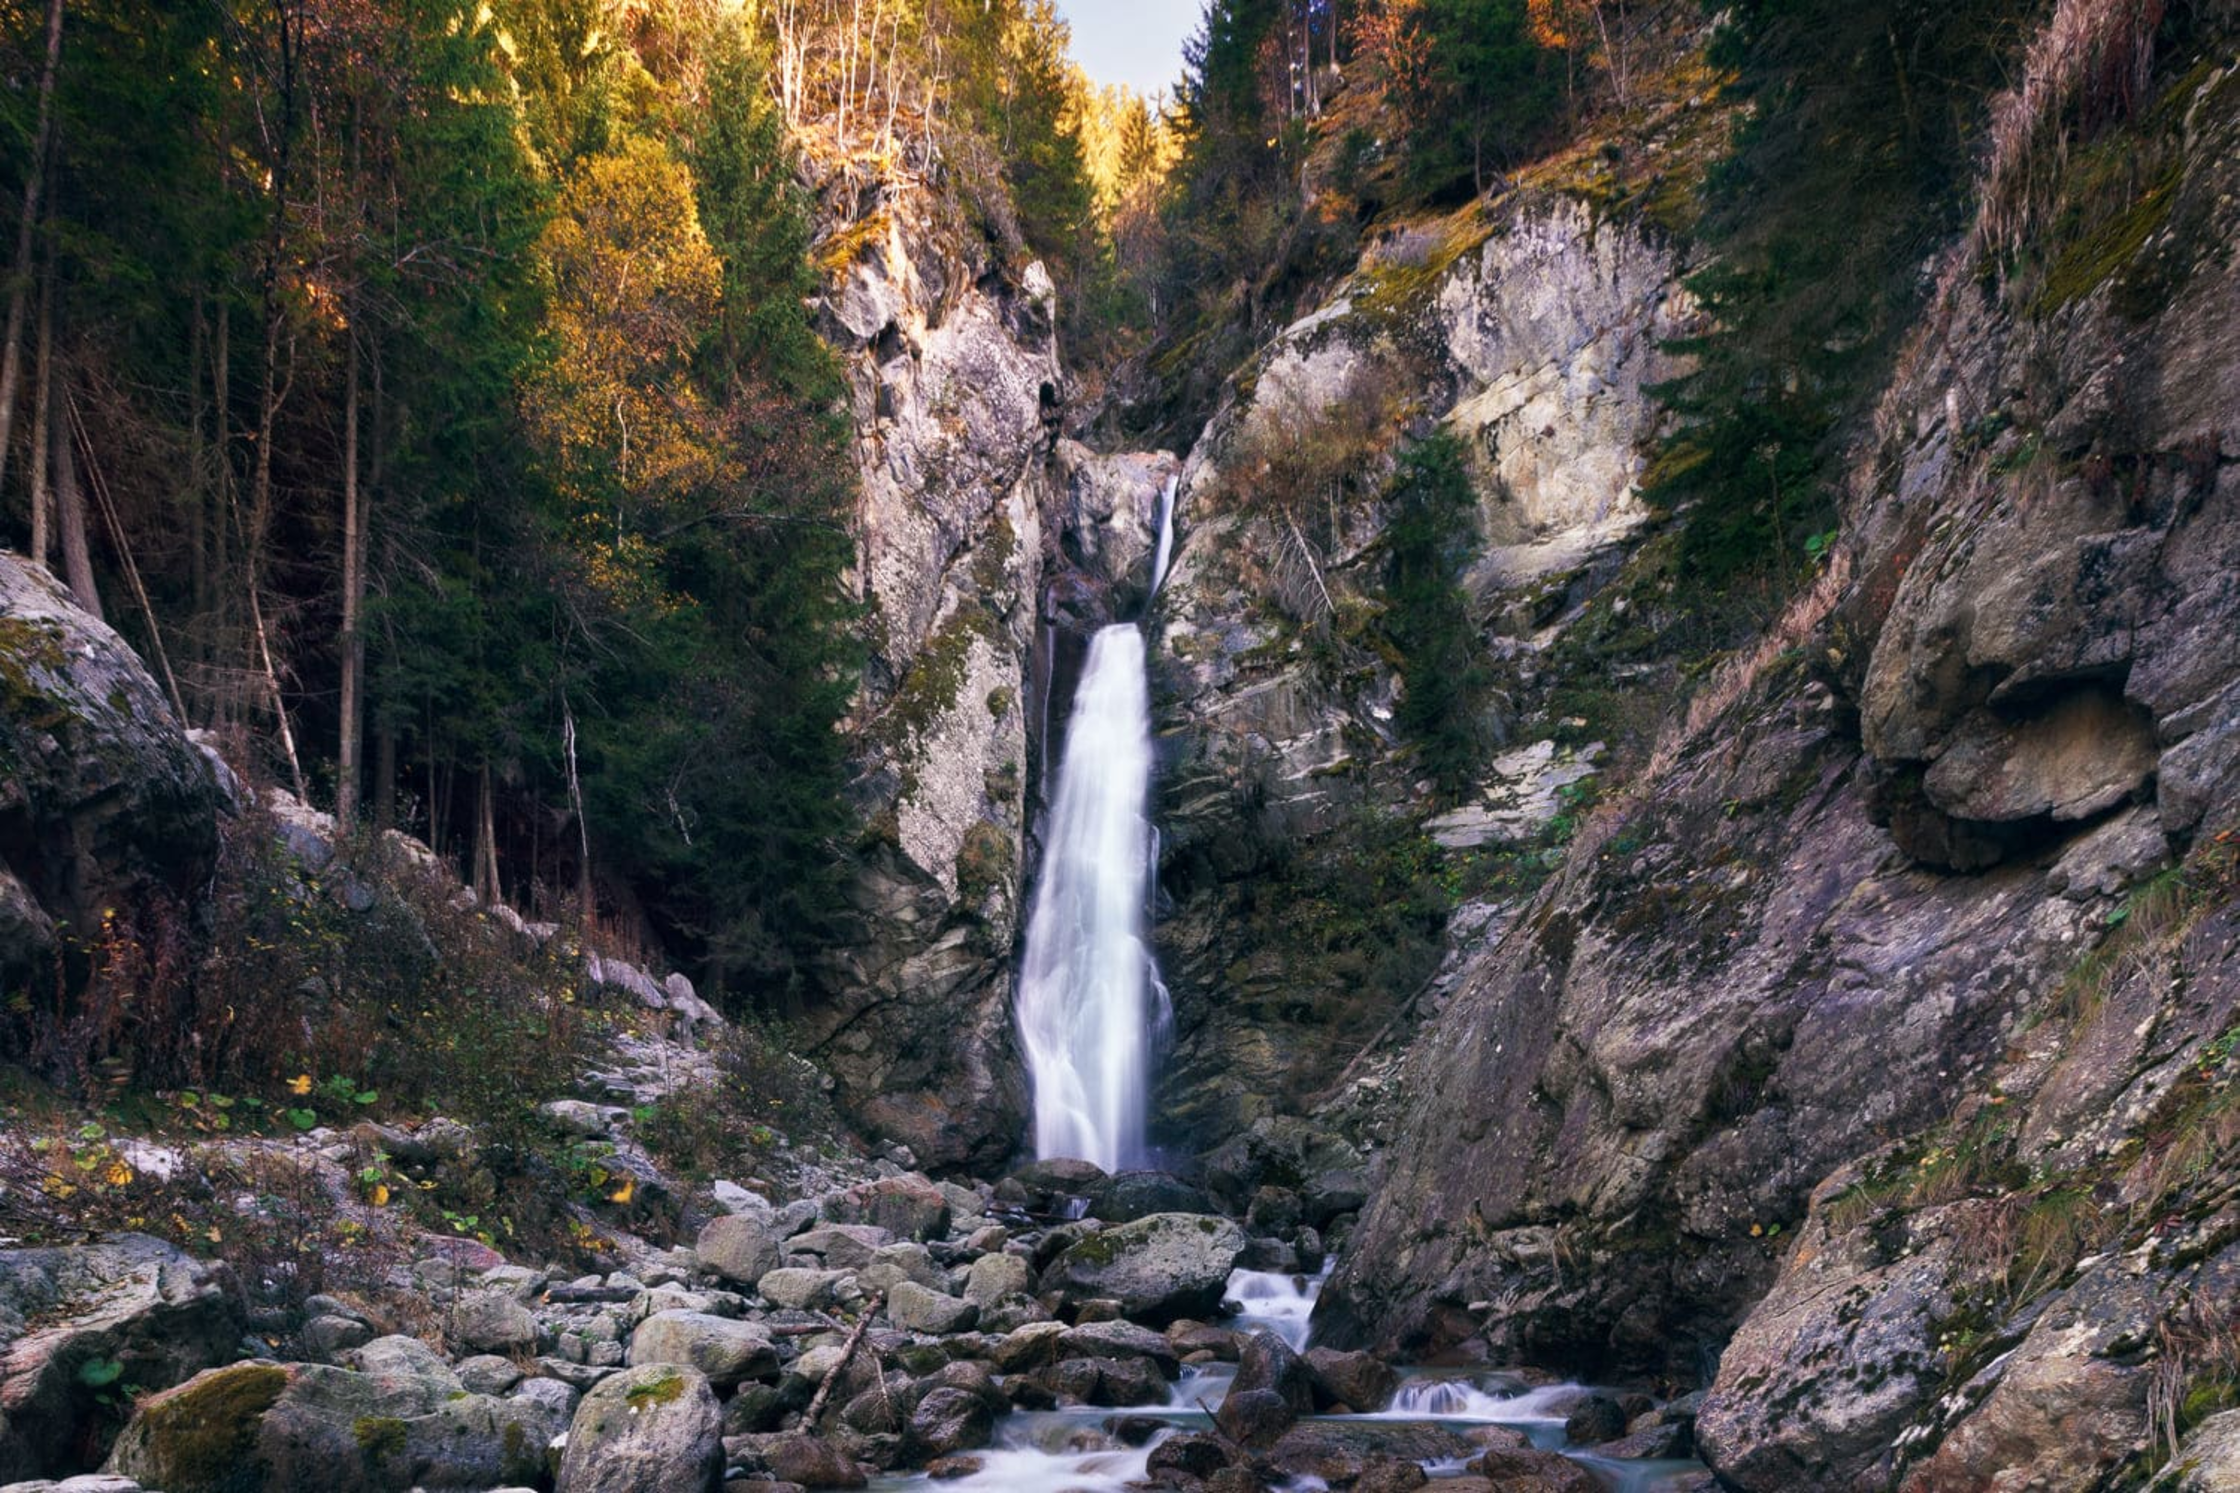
point(1270, 1301)
point(1091, 1007)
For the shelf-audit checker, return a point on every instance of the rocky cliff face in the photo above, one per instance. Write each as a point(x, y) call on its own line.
point(1885, 1024)
point(1530, 331)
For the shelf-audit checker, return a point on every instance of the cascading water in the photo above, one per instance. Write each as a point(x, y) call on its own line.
point(1091, 1006)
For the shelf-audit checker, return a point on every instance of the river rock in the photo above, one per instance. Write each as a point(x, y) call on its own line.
point(725, 1350)
point(1165, 1266)
point(796, 1457)
point(1594, 1419)
point(1358, 1381)
point(741, 1247)
point(140, 1303)
point(650, 1429)
point(994, 1276)
point(913, 1307)
point(892, 1264)
point(1120, 1340)
point(1127, 1196)
point(950, 1420)
point(1255, 1417)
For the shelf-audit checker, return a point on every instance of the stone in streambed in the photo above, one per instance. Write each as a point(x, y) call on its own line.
point(1120, 1340)
point(951, 1420)
point(728, 1352)
point(796, 1457)
point(1158, 1268)
point(1593, 1420)
point(994, 1276)
point(1256, 1418)
point(1358, 1381)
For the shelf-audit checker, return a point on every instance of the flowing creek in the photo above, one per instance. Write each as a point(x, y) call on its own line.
point(1072, 1450)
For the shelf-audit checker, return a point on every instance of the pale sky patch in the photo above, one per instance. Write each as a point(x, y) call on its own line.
point(1136, 42)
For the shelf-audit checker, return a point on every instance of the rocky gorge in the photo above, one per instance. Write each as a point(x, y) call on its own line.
point(1829, 1087)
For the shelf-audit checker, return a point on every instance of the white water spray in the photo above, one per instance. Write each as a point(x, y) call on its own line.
point(1091, 1007)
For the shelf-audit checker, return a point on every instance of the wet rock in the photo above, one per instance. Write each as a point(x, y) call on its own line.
point(1358, 1381)
point(1272, 1211)
point(1165, 1266)
point(1268, 1362)
point(726, 1351)
point(1060, 1177)
point(1521, 1468)
point(1127, 1196)
point(1255, 1417)
point(1651, 1444)
point(951, 1420)
point(1189, 1338)
point(796, 1457)
point(1120, 1340)
point(1336, 1452)
point(739, 1247)
point(1389, 1475)
point(912, 1306)
point(1028, 1347)
point(144, 1305)
point(1593, 1420)
point(1118, 1382)
point(1192, 1454)
point(650, 1429)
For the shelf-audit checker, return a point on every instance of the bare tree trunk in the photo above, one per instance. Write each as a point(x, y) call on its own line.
point(263, 639)
point(70, 515)
point(486, 888)
point(586, 901)
point(41, 532)
point(353, 596)
point(11, 360)
point(215, 644)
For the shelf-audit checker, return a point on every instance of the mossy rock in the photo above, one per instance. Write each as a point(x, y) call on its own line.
point(202, 1436)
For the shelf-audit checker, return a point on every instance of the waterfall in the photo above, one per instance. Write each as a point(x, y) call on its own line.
point(1166, 534)
point(1090, 1005)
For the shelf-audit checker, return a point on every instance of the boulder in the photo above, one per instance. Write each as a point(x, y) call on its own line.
point(266, 1425)
point(1268, 1362)
point(1594, 1419)
point(108, 803)
point(739, 1247)
point(650, 1429)
point(155, 1313)
point(840, 1246)
point(1358, 1381)
point(726, 1351)
point(1158, 1268)
point(892, 1264)
point(2209, 1461)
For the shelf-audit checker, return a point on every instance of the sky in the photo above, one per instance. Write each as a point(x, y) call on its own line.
point(1136, 42)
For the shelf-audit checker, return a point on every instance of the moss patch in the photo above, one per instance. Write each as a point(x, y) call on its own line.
point(379, 1436)
point(662, 1389)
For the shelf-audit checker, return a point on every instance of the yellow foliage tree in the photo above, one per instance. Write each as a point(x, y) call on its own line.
point(623, 426)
